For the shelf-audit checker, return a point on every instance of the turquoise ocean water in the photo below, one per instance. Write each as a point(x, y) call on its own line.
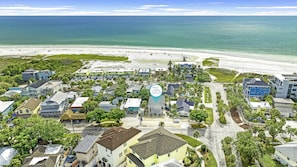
point(271, 35)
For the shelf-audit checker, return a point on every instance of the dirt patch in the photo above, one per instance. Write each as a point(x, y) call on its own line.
point(235, 116)
point(245, 126)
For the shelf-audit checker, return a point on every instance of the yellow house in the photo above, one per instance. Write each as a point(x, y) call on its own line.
point(156, 147)
point(28, 107)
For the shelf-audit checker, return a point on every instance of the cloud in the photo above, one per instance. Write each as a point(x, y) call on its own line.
point(128, 11)
point(28, 8)
point(215, 3)
point(147, 7)
point(266, 7)
point(174, 9)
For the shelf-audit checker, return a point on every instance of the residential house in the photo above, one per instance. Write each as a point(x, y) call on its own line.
point(28, 107)
point(156, 105)
point(185, 65)
point(113, 146)
point(6, 107)
point(184, 106)
point(50, 87)
point(6, 155)
point(54, 106)
point(45, 156)
point(106, 106)
point(110, 90)
point(286, 154)
point(160, 71)
point(155, 147)
point(78, 103)
point(133, 105)
point(70, 116)
point(284, 85)
point(96, 89)
point(144, 72)
point(37, 75)
point(32, 89)
point(11, 93)
point(119, 72)
point(255, 88)
point(87, 152)
point(284, 105)
point(170, 163)
point(134, 88)
point(171, 88)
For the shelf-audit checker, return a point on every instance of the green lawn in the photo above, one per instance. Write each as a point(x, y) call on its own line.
point(207, 95)
point(241, 76)
point(211, 62)
point(209, 159)
point(89, 57)
point(191, 141)
point(267, 161)
point(209, 119)
point(222, 75)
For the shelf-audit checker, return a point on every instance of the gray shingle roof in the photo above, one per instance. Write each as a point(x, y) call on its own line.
point(59, 97)
point(159, 141)
point(85, 145)
point(135, 160)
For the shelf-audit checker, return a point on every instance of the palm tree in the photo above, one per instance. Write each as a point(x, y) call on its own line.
point(196, 134)
point(170, 65)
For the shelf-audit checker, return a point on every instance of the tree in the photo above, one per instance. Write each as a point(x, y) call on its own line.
point(169, 65)
point(274, 127)
point(97, 115)
point(70, 140)
point(116, 114)
point(198, 115)
point(144, 94)
point(88, 93)
point(275, 113)
point(247, 148)
point(90, 105)
point(161, 124)
point(294, 106)
point(291, 131)
point(196, 134)
point(269, 99)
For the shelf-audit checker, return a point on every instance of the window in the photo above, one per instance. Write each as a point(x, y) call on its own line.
point(27, 111)
point(169, 155)
point(121, 154)
point(21, 111)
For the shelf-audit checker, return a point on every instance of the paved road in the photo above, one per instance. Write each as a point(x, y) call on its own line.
point(217, 132)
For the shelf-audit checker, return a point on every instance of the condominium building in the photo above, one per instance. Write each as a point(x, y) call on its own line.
point(284, 85)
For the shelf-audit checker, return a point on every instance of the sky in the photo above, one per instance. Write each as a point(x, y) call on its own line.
point(148, 7)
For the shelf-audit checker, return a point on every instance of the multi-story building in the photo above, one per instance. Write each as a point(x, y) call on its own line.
point(113, 146)
point(54, 106)
point(255, 87)
point(285, 85)
point(87, 152)
point(37, 75)
point(6, 107)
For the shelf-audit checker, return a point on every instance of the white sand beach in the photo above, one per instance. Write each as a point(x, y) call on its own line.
point(142, 57)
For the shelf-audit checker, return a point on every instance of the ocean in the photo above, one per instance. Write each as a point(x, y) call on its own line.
point(265, 35)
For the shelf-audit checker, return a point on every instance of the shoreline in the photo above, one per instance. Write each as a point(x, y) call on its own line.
point(159, 57)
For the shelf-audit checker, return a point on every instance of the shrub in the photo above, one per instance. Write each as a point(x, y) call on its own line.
point(203, 148)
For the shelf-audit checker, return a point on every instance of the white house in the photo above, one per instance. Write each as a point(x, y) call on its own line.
point(113, 146)
point(285, 85)
point(286, 154)
point(78, 103)
point(132, 104)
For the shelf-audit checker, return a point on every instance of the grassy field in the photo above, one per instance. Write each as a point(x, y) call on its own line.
point(191, 141)
point(89, 57)
point(209, 159)
point(267, 161)
point(222, 75)
point(209, 119)
point(241, 76)
point(211, 62)
point(4, 62)
point(207, 95)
